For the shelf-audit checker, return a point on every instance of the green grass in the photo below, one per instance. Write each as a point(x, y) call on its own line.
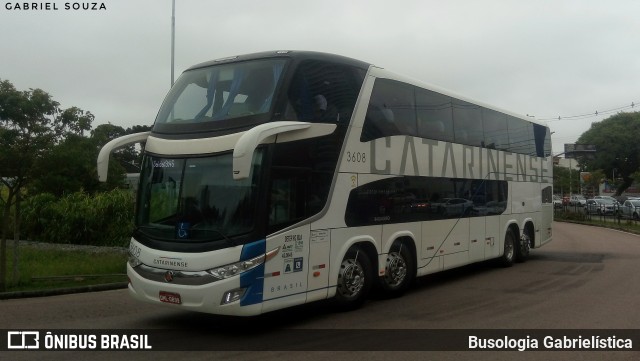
point(43, 268)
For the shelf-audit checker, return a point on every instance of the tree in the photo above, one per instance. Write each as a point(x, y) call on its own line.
point(617, 147)
point(122, 160)
point(69, 167)
point(31, 124)
point(590, 181)
point(104, 133)
point(135, 153)
point(565, 181)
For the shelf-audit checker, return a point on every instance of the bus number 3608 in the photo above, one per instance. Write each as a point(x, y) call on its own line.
point(356, 157)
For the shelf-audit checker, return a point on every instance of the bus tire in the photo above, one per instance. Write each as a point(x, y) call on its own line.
point(508, 257)
point(355, 279)
point(400, 271)
point(524, 245)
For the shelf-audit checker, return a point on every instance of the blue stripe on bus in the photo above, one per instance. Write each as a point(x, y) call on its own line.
point(253, 280)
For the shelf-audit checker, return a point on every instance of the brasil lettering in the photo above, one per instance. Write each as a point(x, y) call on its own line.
point(427, 157)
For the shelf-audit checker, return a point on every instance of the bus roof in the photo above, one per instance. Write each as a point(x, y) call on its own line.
point(291, 54)
point(298, 55)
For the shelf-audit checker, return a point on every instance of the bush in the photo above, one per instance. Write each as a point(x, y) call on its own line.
point(105, 219)
point(567, 215)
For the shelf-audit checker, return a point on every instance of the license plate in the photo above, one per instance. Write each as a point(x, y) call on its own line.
point(169, 297)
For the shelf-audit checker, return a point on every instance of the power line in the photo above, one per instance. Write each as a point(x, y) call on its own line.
point(587, 115)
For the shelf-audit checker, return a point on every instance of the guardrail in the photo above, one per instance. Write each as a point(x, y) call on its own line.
point(579, 213)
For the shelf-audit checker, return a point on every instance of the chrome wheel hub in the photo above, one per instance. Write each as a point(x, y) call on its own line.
point(509, 249)
point(396, 269)
point(350, 278)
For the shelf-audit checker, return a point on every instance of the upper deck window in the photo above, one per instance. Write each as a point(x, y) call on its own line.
point(397, 108)
point(323, 92)
point(222, 92)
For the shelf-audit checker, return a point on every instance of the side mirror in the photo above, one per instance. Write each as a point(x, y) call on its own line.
point(246, 145)
point(105, 152)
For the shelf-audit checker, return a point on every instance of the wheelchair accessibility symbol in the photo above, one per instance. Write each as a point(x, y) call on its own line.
point(183, 230)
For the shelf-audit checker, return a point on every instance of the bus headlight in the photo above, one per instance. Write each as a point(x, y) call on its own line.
point(236, 268)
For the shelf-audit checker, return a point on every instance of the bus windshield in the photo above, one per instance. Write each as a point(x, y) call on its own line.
point(196, 199)
point(222, 92)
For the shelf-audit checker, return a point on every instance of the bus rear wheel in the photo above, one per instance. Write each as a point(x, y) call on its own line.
point(524, 245)
point(354, 280)
point(400, 271)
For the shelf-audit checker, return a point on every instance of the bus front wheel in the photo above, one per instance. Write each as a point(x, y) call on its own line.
point(354, 279)
point(508, 257)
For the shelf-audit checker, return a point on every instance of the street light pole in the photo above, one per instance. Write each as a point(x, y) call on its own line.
point(570, 178)
point(173, 36)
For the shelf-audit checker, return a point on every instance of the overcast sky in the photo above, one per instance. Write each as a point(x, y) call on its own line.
point(539, 58)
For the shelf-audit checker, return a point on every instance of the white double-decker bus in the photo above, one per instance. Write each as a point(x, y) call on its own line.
point(276, 179)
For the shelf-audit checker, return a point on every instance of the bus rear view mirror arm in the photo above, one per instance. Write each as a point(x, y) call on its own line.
point(105, 152)
point(246, 145)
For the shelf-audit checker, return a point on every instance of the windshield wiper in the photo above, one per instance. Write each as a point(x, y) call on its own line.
point(157, 231)
point(233, 243)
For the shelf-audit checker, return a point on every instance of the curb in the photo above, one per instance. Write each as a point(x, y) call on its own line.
point(613, 226)
point(63, 291)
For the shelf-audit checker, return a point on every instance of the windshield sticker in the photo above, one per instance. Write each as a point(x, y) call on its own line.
point(293, 265)
point(164, 163)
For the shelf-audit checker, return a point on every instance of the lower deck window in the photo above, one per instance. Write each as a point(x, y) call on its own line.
point(410, 199)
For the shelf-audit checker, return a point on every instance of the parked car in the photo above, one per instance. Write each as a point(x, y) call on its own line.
point(577, 200)
point(600, 206)
point(630, 209)
point(557, 201)
point(622, 199)
point(606, 197)
point(420, 206)
point(453, 206)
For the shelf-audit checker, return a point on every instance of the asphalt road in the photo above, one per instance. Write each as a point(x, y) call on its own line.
point(587, 278)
